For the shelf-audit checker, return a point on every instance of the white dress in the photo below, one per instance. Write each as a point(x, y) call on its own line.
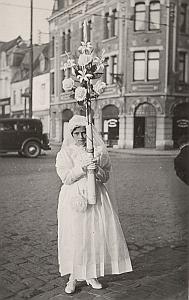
point(90, 243)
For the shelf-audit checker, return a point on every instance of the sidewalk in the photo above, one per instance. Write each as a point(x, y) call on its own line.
point(144, 151)
point(135, 151)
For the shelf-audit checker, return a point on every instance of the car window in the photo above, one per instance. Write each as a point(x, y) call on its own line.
point(8, 126)
point(25, 126)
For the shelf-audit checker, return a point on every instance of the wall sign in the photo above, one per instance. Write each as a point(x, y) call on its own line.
point(183, 123)
point(112, 123)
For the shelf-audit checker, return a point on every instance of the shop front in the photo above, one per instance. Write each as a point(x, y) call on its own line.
point(180, 122)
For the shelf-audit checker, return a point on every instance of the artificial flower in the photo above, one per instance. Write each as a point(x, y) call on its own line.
point(99, 61)
point(68, 84)
point(80, 93)
point(83, 75)
point(99, 87)
point(85, 47)
point(84, 59)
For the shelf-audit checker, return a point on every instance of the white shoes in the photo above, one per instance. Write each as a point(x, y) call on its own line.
point(94, 283)
point(70, 286)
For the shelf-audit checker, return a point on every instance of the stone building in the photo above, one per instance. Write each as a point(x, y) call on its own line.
point(146, 42)
point(41, 86)
point(10, 58)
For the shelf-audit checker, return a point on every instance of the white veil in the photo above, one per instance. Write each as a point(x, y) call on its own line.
point(77, 121)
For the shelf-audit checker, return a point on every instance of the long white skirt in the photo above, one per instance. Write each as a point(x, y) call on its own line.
point(91, 243)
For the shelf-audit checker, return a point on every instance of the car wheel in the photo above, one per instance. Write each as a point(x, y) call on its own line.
point(32, 149)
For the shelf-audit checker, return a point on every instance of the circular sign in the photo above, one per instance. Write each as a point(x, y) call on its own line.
point(183, 123)
point(112, 123)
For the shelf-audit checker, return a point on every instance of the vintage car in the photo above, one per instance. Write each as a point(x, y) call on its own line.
point(24, 136)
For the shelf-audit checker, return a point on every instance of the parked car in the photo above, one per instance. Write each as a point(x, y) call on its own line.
point(24, 136)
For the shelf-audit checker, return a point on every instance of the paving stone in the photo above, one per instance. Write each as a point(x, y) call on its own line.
point(48, 295)
point(33, 282)
point(4, 293)
point(60, 297)
point(29, 293)
point(151, 220)
point(33, 268)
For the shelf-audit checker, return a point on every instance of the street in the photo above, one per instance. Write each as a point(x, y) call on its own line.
point(153, 213)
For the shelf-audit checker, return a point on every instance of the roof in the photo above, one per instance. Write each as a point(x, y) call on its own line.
point(23, 72)
point(37, 50)
point(5, 46)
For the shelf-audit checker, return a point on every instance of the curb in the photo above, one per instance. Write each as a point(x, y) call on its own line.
point(144, 153)
point(138, 152)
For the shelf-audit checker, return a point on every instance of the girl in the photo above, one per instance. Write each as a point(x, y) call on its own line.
point(90, 239)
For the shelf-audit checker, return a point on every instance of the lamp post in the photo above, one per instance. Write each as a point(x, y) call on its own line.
point(31, 61)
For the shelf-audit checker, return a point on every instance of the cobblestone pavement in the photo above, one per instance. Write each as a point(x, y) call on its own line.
point(153, 214)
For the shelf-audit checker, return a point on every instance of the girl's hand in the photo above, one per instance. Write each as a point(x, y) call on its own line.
point(94, 165)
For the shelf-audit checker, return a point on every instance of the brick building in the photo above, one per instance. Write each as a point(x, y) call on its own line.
point(146, 100)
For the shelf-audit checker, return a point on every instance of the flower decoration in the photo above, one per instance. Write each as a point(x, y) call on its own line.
point(99, 87)
point(68, 84)
point(83, 76)
point(84, 59)
point(85, 71)
point(80, 94)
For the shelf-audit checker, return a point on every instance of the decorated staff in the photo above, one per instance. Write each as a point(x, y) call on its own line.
point(86, 88)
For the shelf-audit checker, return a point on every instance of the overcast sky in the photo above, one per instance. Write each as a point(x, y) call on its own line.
point(15, 19)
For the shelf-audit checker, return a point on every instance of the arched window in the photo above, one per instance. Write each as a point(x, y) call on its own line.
point(154, 15)
point(140, 16)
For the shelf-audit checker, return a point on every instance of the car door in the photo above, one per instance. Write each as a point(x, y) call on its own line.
point(8, 135)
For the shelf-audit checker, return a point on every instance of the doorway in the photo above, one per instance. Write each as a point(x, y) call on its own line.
point(145, 126)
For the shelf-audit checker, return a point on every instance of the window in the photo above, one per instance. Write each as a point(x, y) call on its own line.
point(139, 17)
point(154, 15)
point(114, 24)
point(89, 30)
point(114, 68)
point(8, 126)
point(146, 65)
point(14, 97)
point(21, 96)
point(82, 35)
point(68, 41)
point(139, 65)
point(106, 26)
point(110, 24)
point(63, 42)
point(153, 65)
point(183, 17)
point(53, 124)
point(182, 67)
point(42, 94)
point(107, 71)
point(52, 46)
point(62, 78)
point(52, 84)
